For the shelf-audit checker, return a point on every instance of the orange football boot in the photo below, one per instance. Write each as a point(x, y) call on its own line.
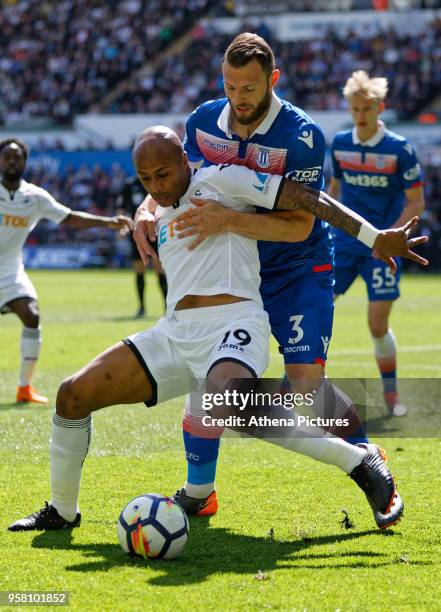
point(197, 507)
point(29, 394)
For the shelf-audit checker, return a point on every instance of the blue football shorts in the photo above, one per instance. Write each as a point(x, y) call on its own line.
point(299, 303)
point(381, 283)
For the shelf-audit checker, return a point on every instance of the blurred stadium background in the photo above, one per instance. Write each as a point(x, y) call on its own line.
point(79, 80)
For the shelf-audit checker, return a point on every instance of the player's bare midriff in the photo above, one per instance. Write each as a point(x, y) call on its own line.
point(204, 301)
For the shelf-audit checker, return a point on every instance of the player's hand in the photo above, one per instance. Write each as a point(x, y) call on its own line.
point(144, 234)
point(123, 224)
point(208, 219)
point(396, 243)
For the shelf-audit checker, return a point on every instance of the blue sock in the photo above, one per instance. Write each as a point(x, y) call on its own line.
point(357, 437)
point(202, 454)
point(389, 381)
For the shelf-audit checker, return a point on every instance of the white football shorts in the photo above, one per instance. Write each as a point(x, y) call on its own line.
point(13, 286)
point(181, 349)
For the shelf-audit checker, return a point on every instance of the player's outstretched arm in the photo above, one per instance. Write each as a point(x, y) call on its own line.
point(387, 243)
point(83, 220)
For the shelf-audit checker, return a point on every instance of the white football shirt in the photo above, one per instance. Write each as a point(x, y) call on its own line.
point(20, 211)
point(225, 263)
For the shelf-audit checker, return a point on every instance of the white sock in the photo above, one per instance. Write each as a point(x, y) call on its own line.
point(30, 346)
point(386, 346)
point(68, 448)
point(199, 491)
point(334, 451)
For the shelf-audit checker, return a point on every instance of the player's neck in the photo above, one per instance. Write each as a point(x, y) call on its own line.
point(367, 133)
point(10, 184)
point(245, 131)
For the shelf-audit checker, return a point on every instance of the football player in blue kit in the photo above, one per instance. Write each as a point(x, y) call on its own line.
point(253, 127)
point(377, 174)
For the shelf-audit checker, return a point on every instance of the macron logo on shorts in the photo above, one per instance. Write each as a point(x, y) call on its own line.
point(13, 220)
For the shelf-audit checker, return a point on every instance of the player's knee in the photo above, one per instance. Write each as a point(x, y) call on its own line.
point(226, 373)
point(71, 402)
point(226, 378)
point(305, 379)
point(31, 316)
point(378, 328)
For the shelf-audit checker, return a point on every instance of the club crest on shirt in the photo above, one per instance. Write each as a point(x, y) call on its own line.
point(380, 162)
point(264, 157)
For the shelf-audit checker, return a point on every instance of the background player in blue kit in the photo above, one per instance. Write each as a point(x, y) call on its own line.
point(378, 175)
point(253, 127)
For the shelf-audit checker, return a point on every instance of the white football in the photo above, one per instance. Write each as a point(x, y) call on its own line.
point(153, 526)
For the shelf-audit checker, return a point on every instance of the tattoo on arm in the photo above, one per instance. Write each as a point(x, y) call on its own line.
point(296, 196)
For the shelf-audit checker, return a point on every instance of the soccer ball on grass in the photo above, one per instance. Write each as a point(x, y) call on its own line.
point(153, 526)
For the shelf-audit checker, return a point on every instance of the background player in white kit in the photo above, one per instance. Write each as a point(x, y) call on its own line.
point(215, 328)
point(22, 206)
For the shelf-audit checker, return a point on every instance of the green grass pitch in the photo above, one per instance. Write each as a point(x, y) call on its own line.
point(311, 562)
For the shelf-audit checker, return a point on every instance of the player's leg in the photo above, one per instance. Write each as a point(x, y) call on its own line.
point(201, 445)
point(113, 377)
point(139, 268)
point(383, 290)
point(301, 320)
point(364, 463)
point(26, 308)
point(201, 441)
point(198, 496)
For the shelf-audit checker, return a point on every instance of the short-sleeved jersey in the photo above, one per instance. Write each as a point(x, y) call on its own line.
point(373, 175)
point(288, 143)
point(20, 211)
point(131, 196)
point(224, 263)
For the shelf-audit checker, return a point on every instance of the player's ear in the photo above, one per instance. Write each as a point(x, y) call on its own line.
point(184, 158)
point(382, 106)
point(275, 77)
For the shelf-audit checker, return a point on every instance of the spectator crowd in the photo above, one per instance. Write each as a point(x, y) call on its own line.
point(59, 59)
point(69, 57)
point(312, 71)
point(58, 63)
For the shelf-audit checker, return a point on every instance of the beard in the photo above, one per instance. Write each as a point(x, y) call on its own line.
point(13, 176)
point(259, 110)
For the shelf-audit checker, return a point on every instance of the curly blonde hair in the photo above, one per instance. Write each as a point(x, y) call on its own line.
point(360, 83)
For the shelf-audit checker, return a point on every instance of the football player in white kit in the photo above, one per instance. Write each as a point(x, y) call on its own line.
point(215, 329)
point(22, 205)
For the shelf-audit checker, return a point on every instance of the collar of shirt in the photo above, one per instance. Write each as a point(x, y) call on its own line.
point(373, 140)
point(10, 194)
point(223, 122)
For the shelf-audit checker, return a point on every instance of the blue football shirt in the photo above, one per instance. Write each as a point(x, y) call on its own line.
point(373, 177)
point(288, 143)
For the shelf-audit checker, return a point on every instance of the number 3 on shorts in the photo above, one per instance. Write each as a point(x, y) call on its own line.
point(296, 320)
